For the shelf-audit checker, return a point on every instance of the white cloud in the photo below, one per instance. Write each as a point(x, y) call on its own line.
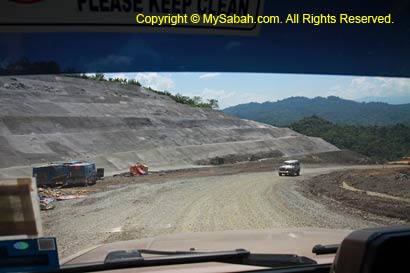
point(217, 94)
point(155, 80)
point(360, 87)
point(231, 98)
point(120, 76)
point(209, 75)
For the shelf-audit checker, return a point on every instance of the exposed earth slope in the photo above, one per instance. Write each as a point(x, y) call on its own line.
point(55, 118)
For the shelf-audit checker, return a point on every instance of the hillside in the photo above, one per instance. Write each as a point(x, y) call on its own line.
point(378, 142)
point(56, 118)
point(332, 108)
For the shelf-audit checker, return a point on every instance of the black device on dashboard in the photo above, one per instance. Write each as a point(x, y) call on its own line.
point(374, 250)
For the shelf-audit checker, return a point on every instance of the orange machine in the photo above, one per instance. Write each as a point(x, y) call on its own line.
point(139, 169)
point(404, 161)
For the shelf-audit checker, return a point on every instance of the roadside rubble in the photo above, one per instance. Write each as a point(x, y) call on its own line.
point(49, 196)
point(57, 193)
point(46, 203)
point(402, 176)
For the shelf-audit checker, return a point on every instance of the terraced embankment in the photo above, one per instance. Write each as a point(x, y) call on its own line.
point(56, 118)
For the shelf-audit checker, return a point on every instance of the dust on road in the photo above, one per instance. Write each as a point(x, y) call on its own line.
point(211, 203)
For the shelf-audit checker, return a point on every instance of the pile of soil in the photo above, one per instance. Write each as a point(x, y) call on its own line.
point(56, 192)
point(357, 189)
point(395, 182)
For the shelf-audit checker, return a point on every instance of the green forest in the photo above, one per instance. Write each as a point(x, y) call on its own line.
point(384, 143)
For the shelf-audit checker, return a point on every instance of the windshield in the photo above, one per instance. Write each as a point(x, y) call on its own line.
point(126, 144)
point(140, 155)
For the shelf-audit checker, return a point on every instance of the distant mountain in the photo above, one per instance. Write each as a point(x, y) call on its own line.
point(390, 100)
point(334, 109)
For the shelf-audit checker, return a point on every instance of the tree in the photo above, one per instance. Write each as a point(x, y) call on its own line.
point(213, 103)
point(197, 100)
point(379, 142)
point(134, 82)
point(99, 76)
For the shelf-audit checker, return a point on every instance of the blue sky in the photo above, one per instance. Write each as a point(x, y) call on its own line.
point(237, 88)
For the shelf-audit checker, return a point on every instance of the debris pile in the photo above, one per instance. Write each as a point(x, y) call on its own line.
point(48, 196)
point(56, 193)
point(46, 203)
point(49, 192)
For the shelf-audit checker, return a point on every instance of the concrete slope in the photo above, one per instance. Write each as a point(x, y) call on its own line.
point(55, 118)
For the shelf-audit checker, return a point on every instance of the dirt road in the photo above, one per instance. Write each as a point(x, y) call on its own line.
point(213, 203)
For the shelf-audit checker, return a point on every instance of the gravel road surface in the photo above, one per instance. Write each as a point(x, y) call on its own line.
point(229, 202)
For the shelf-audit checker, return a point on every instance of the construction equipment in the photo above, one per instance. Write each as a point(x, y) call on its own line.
point(82, 173)
point(100, 173)
point(139, 169)
point(51, 175)
point(65, 174)
point(404, 161)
